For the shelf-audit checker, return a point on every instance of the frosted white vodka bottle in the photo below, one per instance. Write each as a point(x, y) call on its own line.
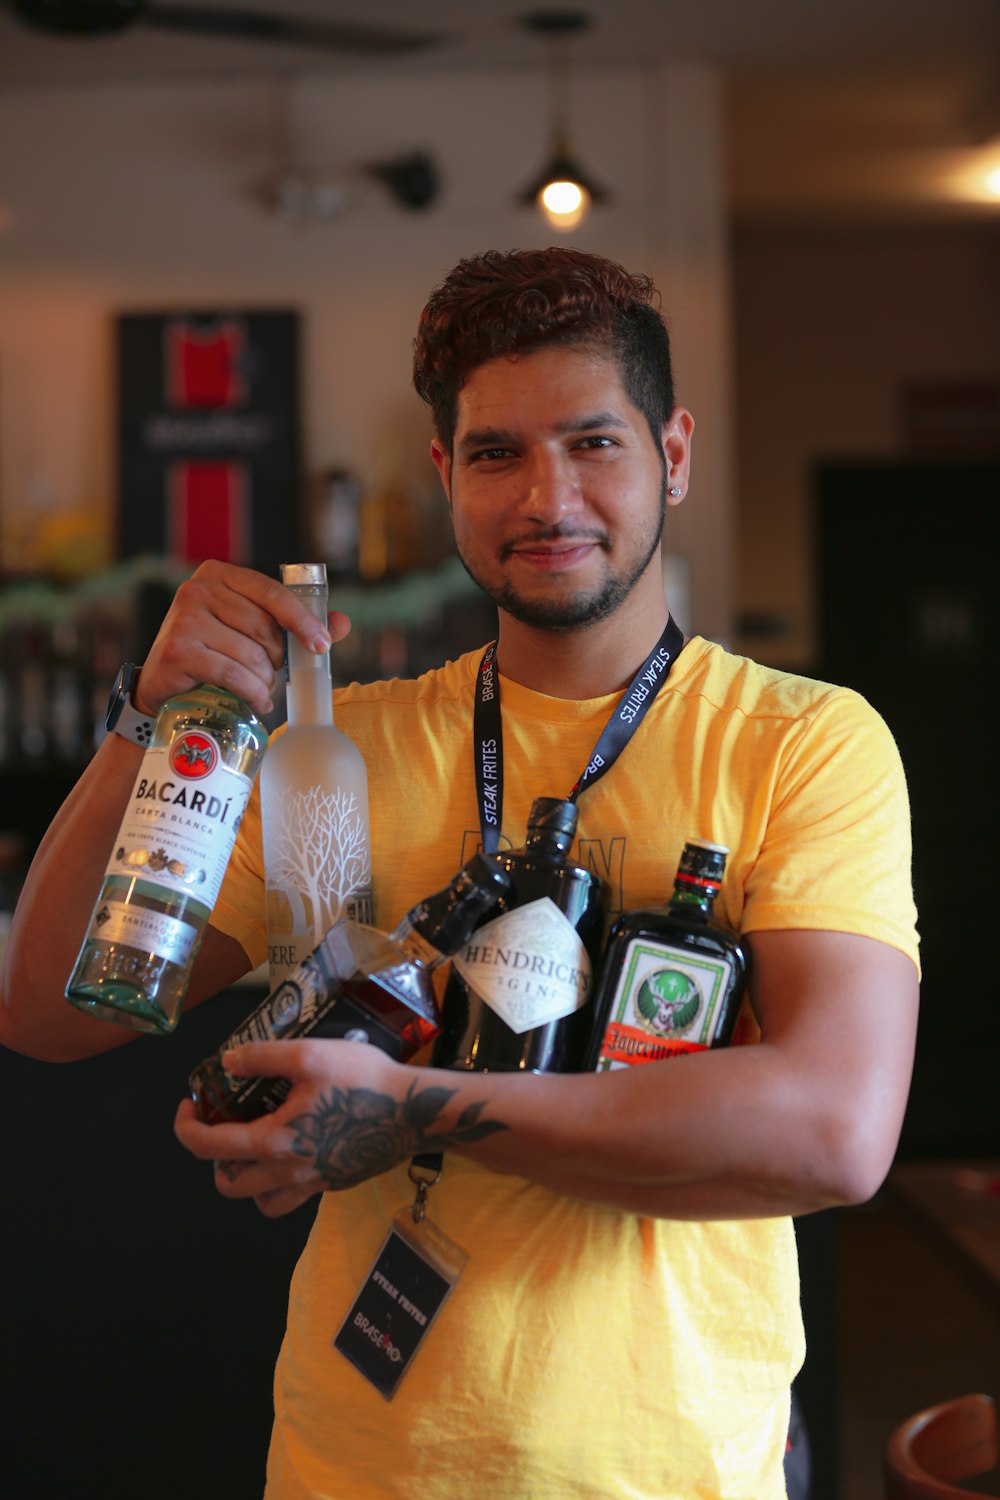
point(314, 803)
point(168, 860)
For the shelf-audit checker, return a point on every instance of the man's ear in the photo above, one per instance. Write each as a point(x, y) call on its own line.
point(441, 459)
point(676, 440)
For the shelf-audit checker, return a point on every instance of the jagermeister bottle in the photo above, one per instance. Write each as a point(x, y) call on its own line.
point(517, 996)
point(673, 976)
point(168, 860)
point(358, 985)
point(313, 803)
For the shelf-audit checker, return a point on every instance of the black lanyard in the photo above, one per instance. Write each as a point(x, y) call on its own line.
point(487, 728)
point(487, 732)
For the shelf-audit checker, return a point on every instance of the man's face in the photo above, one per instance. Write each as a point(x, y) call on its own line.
point(556, 487)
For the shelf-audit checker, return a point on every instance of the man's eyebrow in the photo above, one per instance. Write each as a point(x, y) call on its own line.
point(486, 437)
point(499, 437)
point(588, 424)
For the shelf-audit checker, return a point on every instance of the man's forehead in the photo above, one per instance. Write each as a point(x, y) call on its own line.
point(578, 376)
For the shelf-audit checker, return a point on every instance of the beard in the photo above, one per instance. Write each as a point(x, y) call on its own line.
point(587, 606)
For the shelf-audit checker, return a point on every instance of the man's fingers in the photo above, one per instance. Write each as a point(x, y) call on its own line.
point(233, 1140)
point(298, 1060)
point(338, 624)
point(226, 626)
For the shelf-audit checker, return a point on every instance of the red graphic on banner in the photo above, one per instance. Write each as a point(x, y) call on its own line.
point(208, 512)
point(205, 366)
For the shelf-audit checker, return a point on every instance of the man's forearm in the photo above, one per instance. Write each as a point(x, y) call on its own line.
point(808, 1118)
point(719, 1135)
point(724, 1134)
point(53, 911)
point(737, 1134)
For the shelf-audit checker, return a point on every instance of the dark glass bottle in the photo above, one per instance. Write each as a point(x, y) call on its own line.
point(673, 976)
point(517, 998)
point(359, 984)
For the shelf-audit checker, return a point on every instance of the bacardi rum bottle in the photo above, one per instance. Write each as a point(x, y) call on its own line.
point(168, 860)
point(360, 985)
point(673, 976)
point(517, 995)
point(314, 803)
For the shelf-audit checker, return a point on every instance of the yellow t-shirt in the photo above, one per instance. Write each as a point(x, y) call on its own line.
point(587, 1352)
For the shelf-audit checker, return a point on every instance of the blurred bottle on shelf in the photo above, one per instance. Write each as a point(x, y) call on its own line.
point(336, 524)
point(389, 545)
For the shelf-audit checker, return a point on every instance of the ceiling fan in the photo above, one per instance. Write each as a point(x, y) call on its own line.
point(104, 17)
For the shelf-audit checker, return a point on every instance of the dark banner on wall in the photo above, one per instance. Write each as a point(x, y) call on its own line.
point(209, 437)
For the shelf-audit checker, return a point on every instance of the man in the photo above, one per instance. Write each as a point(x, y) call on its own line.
point(627, 1323)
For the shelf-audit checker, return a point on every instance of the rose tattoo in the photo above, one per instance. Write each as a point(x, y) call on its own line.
point(354, 1134)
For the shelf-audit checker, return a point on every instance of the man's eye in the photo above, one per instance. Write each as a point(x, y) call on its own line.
point(491, 454)
point(597, 440)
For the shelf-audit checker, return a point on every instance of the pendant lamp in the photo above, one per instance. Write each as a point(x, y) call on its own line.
point(562, 191)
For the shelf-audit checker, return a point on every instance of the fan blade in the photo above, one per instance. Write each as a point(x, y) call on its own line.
point(265, 26)
point(77, 17)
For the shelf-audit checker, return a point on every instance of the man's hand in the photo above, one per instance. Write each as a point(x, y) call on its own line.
point(352, 1113)
point(226, 626)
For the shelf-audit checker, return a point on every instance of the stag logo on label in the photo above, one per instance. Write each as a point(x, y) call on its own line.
point(194, 755)
point(668, 1003)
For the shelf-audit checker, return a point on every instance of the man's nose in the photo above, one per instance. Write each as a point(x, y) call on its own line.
point(551, 488)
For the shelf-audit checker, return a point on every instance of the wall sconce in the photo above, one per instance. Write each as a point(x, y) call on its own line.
point(562, 191)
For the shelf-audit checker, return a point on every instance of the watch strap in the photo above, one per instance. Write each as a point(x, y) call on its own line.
point(132, 725)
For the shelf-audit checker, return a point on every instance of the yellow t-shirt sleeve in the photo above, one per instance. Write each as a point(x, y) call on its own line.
point(836, 853)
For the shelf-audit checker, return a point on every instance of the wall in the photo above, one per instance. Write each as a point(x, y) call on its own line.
point(147, 198)
point(831, 322)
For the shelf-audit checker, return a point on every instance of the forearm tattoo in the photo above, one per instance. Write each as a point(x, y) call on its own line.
point(354, 1134)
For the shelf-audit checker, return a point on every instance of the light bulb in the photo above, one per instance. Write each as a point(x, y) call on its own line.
point(563, 204)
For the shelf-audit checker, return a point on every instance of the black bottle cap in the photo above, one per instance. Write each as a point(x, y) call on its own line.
point(703, 861)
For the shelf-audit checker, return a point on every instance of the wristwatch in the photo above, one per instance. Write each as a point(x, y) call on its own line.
point(122, 717)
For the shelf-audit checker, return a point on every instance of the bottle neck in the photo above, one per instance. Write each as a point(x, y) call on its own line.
point(436, 928)
point(693, 899)
point(308, 688)
point(418, 948)
point(546, 846)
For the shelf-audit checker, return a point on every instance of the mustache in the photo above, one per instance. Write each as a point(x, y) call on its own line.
point(560, 532)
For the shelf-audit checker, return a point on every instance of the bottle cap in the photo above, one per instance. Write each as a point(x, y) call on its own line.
point(304, 574)
point(703, 861)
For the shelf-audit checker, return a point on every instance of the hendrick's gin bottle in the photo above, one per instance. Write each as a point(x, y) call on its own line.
point(672, 977)
point(518, 992)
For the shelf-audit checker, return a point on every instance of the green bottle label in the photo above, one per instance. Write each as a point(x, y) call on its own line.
point(666, 1004)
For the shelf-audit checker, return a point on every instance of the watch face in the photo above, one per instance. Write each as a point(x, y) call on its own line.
point(123, 685)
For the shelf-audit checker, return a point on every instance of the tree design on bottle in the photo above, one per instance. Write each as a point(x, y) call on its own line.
point(320, 856)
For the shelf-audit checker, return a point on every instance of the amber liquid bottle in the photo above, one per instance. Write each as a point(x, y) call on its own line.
point(517, 998)
point(673, 976)
point(359, 984)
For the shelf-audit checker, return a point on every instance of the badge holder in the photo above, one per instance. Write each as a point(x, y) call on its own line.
point(405, 1289)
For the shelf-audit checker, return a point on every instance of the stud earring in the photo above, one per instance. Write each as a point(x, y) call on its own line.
point(676, 490)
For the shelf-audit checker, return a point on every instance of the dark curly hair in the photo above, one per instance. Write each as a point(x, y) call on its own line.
point(521, 300)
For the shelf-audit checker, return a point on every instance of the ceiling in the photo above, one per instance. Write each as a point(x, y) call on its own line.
point(864, 107)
